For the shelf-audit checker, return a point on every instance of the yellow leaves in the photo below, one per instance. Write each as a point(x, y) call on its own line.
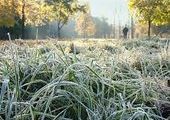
point(7, 21)
point(36, 12)
point(7, 13)
point(39, 15)
point(132, 4)
point(61, 13)
point(85, 25)
point(157, 11)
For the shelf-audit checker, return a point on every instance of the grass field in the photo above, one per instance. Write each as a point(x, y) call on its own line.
point(85, 80)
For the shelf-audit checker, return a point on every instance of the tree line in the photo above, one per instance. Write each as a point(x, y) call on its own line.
point(27, 19)
point(95, 28)
point(151, 12)
point(17, 14)
point(50, 18)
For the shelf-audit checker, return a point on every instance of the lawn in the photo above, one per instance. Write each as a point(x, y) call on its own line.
point(85, 80)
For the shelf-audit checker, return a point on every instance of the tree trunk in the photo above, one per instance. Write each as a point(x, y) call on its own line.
point(149, 29)
point(58, 31)
point(120, 31)
point(59, 34)
point(114, 29)
point(85, 27)
point(132, 30)
point(84, 35)
point(37, 32)
point(23, 20)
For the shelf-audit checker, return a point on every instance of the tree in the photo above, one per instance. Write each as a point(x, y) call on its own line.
point(35, 13)
point(40, 15)
point(7, 13)
point(103, 29)
point(22, 5)
point(151, 11)
point(85, 25)
point(23, 18)
point(64, 9)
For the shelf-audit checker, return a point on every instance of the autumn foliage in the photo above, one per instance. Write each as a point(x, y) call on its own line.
point(38, 12)
point(156, 12)
point(85, 25)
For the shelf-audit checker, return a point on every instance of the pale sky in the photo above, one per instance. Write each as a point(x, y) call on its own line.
point(110, 9)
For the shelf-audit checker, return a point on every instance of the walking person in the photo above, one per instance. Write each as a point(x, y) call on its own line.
point(125, 32)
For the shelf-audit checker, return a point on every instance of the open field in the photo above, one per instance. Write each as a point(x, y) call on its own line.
point(85, 80)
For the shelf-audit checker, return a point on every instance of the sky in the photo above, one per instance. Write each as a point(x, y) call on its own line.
point(113, 10)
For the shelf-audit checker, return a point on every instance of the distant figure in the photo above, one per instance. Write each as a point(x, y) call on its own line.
point(125, 32)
